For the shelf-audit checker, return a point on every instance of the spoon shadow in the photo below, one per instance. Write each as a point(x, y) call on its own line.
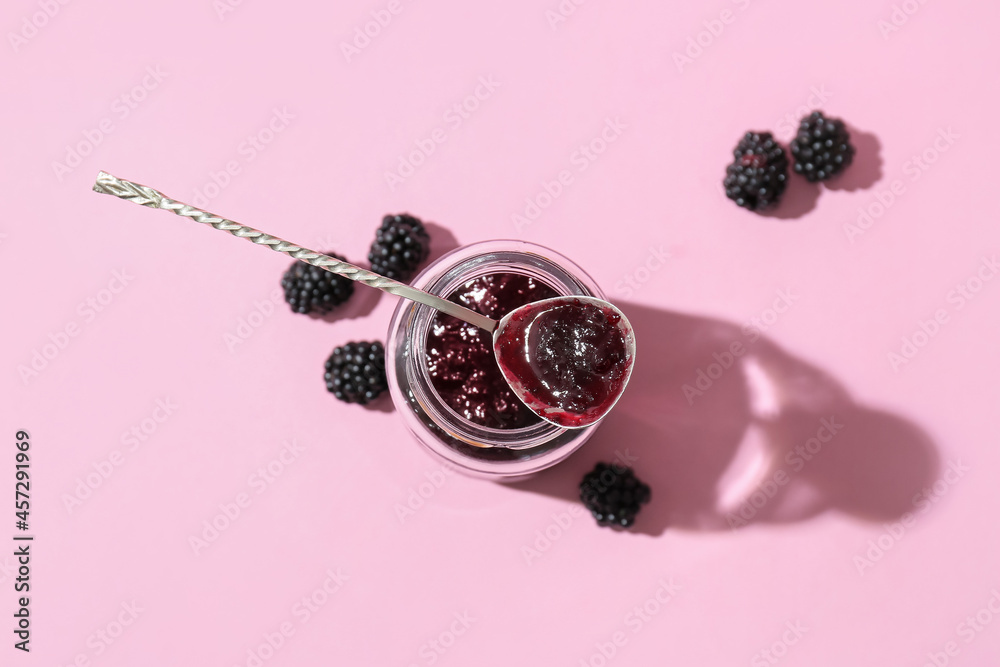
point(729, 430)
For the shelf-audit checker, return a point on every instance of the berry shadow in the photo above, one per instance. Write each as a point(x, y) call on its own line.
point(442, 241)
point(381, 404)
point(866, 168)
point(799, 198)
point(767, 438)
point(361, 304)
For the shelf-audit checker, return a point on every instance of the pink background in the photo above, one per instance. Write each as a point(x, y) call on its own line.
point(827, 555)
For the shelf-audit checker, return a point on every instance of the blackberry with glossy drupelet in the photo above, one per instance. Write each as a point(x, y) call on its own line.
point(355, 372)
point(758, 174)
point(822, 147)
point(401, 245)
point(310, 289)
point(613, 494)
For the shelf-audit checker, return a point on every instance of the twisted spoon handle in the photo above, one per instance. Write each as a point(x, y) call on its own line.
point(147, 196)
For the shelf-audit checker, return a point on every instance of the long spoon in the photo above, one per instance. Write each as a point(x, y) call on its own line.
point(572, 380)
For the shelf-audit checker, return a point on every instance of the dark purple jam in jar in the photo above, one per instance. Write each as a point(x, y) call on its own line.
point(460, 358)
point(443, 376)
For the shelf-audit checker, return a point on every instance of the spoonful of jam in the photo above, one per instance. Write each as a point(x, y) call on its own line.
point(567, 358)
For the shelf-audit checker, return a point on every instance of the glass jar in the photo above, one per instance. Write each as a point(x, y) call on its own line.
point(498, 454)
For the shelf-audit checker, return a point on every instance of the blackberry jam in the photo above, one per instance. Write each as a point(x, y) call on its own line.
point(443, 376)
point(460, 356)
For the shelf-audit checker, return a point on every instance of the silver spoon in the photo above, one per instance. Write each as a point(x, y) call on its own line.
point(530, 378)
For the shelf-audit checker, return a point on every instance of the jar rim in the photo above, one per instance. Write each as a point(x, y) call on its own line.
point(529, 448)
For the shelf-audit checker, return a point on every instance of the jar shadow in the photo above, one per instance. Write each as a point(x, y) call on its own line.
point(729, 430)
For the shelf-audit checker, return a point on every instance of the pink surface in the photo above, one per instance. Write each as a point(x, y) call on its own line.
point(825, 572)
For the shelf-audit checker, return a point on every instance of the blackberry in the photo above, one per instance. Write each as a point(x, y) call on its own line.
point(822, 147)
point(400, 245)
point(355, 372)
point(613, 494)
point(759, 172)
point(309, 289)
